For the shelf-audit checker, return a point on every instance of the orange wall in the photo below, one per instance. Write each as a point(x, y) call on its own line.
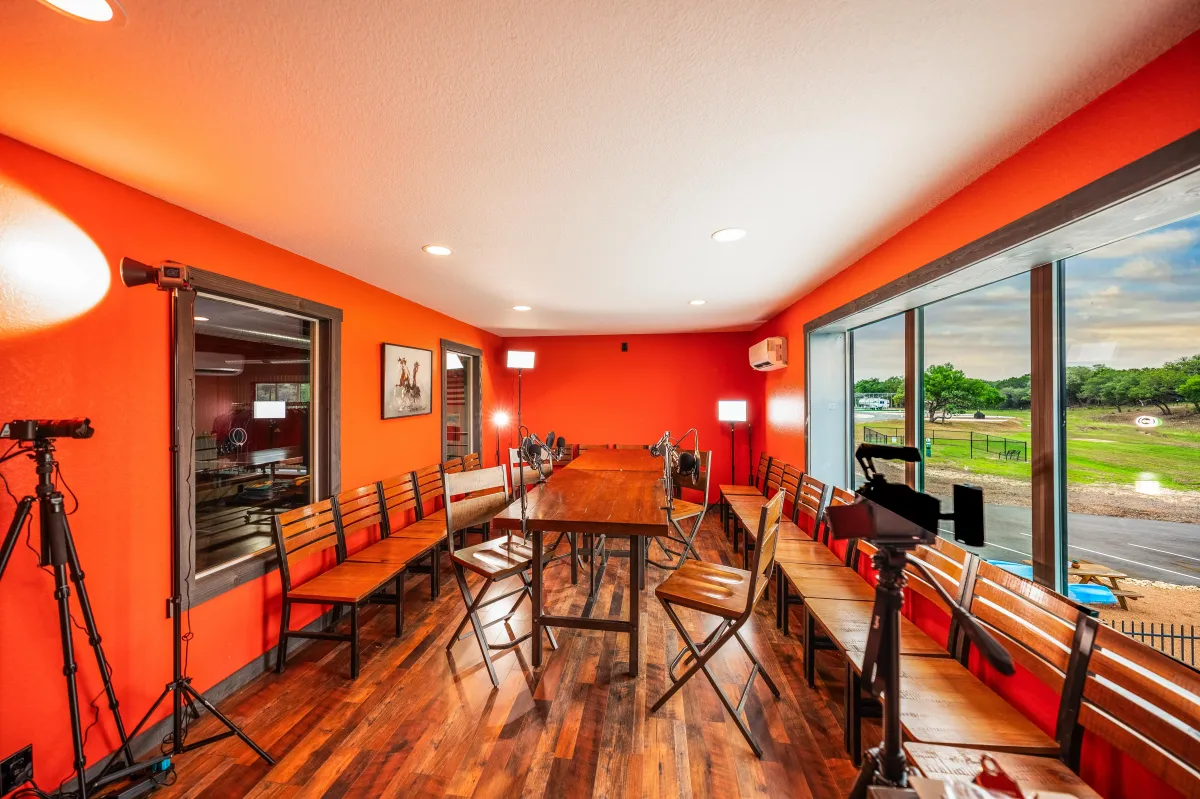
point(111, 364)
point(590, 392)
point(1152, 108)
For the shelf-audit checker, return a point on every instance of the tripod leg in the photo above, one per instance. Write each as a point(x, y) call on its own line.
point(63, 595)
point(14, 532)
point(93, 632)
point(211, 708)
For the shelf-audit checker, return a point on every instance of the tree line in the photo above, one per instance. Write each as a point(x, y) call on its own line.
point(948, 390)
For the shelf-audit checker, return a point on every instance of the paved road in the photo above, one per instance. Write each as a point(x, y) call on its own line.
point(1146, 550)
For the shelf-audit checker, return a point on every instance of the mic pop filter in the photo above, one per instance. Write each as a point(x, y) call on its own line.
point(689, 464)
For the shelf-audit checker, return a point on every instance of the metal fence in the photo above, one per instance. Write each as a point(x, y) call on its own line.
point(1176, 640)
point(981, 444)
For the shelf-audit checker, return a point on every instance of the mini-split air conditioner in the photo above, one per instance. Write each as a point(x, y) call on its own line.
point(769, 354)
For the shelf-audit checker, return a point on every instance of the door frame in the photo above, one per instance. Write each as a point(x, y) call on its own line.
point(477, 412)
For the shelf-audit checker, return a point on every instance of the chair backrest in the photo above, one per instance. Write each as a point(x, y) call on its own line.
point(1145, 704)
point(810, 501)
point(360, 508)
point(399, 496)
point(791, 486)
point(702, 480)
point(471, 462)
point(530, 473)
point(760, 474)
point(428, 483)
point(774, 477)
point(586, 447)
point(303, 532)
point(764, 551)
point(631, 446)
point(453, 465)
point(482, 494)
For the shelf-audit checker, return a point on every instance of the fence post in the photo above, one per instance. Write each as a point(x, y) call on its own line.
point(972, 434)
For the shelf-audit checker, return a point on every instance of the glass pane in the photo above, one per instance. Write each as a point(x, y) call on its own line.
point(1133, 431)
point(459, 386)
point(976, 388)
point(253, 434)
point(877, 355)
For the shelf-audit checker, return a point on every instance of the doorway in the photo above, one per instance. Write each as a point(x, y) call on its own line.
point(462, 399)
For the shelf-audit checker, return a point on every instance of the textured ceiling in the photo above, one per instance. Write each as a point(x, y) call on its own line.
point(575, 154)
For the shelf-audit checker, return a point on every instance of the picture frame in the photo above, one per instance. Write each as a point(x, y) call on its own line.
point(406, 381)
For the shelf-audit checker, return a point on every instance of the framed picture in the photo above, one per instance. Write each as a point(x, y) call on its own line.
point(407, 381)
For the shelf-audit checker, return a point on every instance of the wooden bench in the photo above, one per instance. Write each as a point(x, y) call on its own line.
point(472, 462)
point(749, 503)
point(311, 530)
point(1032, 774)
point(399, 498)
point(733, 489)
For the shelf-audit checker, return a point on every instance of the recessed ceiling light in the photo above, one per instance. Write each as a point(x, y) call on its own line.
point(200, 318)
point(90, 10)
point(436, 249)
point(729, 234)
point(522, 308)
point(696, 302)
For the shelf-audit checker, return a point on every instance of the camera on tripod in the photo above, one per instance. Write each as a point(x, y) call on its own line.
point(42, 429)
point(898, 514)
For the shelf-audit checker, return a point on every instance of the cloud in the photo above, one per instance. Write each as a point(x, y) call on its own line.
point(1112, 291)
point(1170, 239)
point(1144, 269)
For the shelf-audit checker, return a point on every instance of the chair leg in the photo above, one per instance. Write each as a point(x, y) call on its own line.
point(472, 610)
point(400, 604)
point(435, 573)
point(810, 648)
point(779, 591)
point(762, 671)
point(284, 619)
point(354, 642)
point(477, 602)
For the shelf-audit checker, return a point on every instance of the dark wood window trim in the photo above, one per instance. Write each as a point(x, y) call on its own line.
point(328, 440)
point(477, 412)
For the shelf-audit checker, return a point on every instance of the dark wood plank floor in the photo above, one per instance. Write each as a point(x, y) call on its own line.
point(423, 723)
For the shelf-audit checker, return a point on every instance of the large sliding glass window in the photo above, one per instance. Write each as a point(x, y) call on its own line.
point(976, 410)
point(1132, 334)
point(877, 357)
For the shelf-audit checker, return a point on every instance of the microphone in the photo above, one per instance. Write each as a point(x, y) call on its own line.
point(689, 465)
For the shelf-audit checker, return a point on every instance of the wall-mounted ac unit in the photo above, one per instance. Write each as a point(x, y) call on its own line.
point(769, 354)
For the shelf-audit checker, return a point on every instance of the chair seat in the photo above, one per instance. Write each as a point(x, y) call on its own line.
point(849, 622)
point(347, 582)
point(708, 587)
point(497, 558)
point(806, 551)
point(1033, 775)
point(826, 582)
point(682, 509)
point(789, 530)
point(400, 551)
point(424, 530)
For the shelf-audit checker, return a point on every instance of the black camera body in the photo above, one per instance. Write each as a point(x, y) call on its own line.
point(42, 429)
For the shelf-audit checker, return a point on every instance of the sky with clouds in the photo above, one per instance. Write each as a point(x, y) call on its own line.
point(1132, 303)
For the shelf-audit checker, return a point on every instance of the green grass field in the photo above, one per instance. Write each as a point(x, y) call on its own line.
point(1102, 446)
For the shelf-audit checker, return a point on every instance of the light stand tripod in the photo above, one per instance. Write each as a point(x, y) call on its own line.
point(58, 551)
point(173, 278)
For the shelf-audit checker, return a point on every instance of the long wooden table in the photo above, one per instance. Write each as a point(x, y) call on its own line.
point(609, 492)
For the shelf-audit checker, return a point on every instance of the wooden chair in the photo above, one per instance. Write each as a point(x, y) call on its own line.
point(729, 594)
point(757, 487)
point(684, 518)
point(771, 483)
point(494, 559)
point(399, 499)
point(453, 465)
point(311, 530)
point(471, 462)
point(808, 507)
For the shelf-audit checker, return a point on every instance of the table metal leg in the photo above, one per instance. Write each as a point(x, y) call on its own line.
point(636, 569)
point(537, 598)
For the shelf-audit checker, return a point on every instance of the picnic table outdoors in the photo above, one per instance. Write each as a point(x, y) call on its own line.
point(1095, 573)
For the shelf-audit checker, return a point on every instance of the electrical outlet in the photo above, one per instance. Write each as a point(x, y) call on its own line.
point(16, 770)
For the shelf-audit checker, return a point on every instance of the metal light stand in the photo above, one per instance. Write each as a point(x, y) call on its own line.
point(180, 688)
point(58, 551)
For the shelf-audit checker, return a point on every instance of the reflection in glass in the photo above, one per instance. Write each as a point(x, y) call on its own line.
point(253, 429)
point(1132, 397)
point(458, 380)
point(976, 414)
point(877, 355)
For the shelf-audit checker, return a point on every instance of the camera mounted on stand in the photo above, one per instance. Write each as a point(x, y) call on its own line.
point(898, 519)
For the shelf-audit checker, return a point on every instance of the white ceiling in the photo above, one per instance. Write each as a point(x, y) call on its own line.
point(575, 154)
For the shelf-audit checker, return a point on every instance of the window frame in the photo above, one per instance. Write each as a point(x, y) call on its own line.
point(327, 419)
point(1155, 190)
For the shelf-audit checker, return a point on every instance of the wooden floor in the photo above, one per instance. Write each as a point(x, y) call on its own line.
point(421, 723)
